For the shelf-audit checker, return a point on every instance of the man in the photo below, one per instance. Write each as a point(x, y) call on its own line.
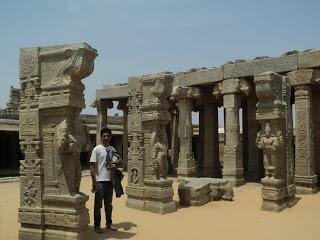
point(101, 167)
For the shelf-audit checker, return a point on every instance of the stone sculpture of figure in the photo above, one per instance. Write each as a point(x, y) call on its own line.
point(29, 194)
point(70, 141)
point(269, 143)
point(159, 156)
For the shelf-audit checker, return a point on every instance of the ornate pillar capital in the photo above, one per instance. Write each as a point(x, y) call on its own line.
point(231, 86)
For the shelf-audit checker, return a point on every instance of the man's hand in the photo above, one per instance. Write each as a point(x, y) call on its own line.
point(113, 166)
point(94, 188)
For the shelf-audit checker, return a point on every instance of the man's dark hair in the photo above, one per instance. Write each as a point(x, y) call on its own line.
point(105, 130)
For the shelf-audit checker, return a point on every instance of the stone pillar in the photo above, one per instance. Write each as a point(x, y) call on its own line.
point(231, 90)
point(174, 136)
point(275, 139)
point(305, 177)
point(52, 138)
point(184, 97)
point(102, 106)
point(211, 164)
point(316, 127)
point(123, 106)
point(253, 158)
point(148, 189)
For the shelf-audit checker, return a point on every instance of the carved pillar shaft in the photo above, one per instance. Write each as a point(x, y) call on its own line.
point(211, 164)
point(186, 162)
point(233, 166)
point(316, 126)
point(175, 139)
point(305, 177)
point(123, 106)
point(102, 116)
point(252, 125)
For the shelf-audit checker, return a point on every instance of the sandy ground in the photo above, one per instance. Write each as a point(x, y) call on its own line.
point(239, 219)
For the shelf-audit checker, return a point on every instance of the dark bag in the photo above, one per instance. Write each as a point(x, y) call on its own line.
point(118, 176)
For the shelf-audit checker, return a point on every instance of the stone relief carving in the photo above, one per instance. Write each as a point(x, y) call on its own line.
point(134, 176)
point(269, 141)
point(30, 194)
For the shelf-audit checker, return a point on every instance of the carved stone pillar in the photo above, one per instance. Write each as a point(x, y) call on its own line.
point(148, 189)
point(102, 106)
point(316, 126)
point(184, 97)
point(211, 164)
point(174, 137)
point(305, 177)
point(252, 125)
point(231, 89)
point(123, 106)
point(275, 139)
point(52, 138)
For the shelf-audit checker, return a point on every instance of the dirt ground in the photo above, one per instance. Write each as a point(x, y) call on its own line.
point(240, 219)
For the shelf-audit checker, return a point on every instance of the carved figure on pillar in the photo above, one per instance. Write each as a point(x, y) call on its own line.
point(269, 142)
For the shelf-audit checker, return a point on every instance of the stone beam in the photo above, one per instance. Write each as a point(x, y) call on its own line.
point(282, 64)
point(113, 92)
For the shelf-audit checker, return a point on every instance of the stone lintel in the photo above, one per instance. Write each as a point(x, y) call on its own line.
point(309, 59)
point(113, 92)
point(304, 77)
point(199, 77)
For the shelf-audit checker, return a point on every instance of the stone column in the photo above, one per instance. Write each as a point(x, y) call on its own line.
point(211, 164)
point(174, 136)
point(231, 89)
point(253, 158)
point(123, 106)
point(52, 138)
point(184, 97)
point(102, 106)
point(305, 177)
point(275, 139)
point(316, 127)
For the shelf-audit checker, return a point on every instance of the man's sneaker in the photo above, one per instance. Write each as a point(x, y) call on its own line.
point(112, 228)
point(97, 230)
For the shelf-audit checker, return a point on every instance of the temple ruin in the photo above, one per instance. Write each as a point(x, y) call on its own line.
point(158, 111)
point(158, 134)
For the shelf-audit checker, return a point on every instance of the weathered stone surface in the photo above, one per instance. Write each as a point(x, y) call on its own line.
point(251, 68)
point(199, 191)
point(52, 138)
point(310, 59)
point(148, 117)
point(275, 139)
point(114, 92)
point(200, 77)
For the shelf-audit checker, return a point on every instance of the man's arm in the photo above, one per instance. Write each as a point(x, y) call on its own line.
point(93, 170)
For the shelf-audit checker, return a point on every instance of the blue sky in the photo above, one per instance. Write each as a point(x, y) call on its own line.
point(136, 37)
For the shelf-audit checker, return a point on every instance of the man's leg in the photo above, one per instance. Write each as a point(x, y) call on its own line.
point(108, 203)
point(98, 205)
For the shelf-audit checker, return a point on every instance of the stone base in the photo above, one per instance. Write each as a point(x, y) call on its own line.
point(30, 234)
point(276, 196)
point(234, 178)
point(186, 172)
point(161, 208)
point(306, 184)
point(62, 217)
point(155, 196)
point(65, 235)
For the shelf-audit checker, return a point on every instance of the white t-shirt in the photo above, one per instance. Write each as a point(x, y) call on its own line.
point(99, 155)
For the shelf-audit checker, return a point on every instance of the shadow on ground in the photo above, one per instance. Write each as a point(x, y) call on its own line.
point(108, 234)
